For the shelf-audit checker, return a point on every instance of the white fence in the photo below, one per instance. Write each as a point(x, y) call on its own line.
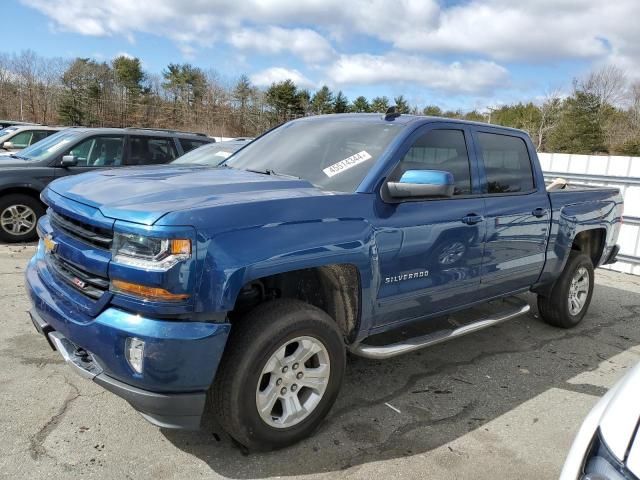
point(620, 172)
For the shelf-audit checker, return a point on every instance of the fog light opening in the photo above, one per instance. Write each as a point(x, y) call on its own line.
point(134, 353)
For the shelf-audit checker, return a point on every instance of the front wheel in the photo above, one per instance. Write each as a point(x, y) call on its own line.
point(571, 295)
point(281, 372)
point(19, 214)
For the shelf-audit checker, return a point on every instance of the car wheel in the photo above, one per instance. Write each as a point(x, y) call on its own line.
point(571, 294)
point(280, 374)
point(19, 216)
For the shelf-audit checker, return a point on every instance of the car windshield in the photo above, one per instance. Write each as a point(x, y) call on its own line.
point(49, 146)
point(212, 154)
point(331, 154)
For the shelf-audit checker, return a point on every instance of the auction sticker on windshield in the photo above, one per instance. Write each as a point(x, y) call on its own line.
point(347, 163)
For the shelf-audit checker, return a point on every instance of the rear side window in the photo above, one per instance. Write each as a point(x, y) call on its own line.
point(506, 163)
point(151, 150)
point(40, 134)
point(189, 144)
point(441, 150)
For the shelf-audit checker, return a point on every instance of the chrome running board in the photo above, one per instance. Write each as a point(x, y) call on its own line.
point(516, 308)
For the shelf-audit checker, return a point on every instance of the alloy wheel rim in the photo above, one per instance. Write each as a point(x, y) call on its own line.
point(18, 219)
point(293, 382)
point(578, 291)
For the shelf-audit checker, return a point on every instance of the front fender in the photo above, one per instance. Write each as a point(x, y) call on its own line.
point(235, 258)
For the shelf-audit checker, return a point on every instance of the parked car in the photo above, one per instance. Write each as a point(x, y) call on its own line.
point(607, 446)
point(23, 175)
point(15, 138)
point(246, 283)
point(9, 123)
point(212, 154)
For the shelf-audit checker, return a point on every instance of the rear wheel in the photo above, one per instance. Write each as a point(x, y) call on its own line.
point(571, 295)
point(281, 372)
point(19, 214)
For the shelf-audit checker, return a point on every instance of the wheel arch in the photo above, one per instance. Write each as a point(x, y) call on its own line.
point(334, 288)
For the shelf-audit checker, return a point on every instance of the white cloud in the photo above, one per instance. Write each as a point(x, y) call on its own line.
point(319, 31)
point(463, 77)
point(304, 43)
point(266, 77)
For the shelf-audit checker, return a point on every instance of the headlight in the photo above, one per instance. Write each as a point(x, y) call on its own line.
point(148, 252)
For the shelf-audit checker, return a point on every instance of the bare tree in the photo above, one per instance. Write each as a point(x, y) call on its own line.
point(608, 84)
point(549, 115)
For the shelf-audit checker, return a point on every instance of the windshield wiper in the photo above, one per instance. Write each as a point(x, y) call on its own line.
point(17, 156)
point(268, 171)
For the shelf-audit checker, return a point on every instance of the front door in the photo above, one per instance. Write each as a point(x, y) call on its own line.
point(100, 151)
point(430, 251)
point(517, 214)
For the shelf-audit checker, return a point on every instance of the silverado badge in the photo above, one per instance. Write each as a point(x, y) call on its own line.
point(50, 244)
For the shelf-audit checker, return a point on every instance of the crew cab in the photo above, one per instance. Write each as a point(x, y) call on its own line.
point(236, 291)
point(23, 175)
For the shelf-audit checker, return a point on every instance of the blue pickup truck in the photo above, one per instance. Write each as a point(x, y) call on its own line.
point(235, 290)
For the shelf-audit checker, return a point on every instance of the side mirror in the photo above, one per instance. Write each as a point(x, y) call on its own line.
point(422, 183)
point(7, 145)
point(69, 161)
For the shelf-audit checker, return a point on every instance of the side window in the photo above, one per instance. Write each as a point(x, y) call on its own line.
point(189, 144)
point(39, 135)
point(506, 163)
point(441, 150)
point(21, 140)
point(151, 150)
point(103, 151)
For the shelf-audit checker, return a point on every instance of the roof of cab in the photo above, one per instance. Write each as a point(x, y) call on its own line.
point(143, 131)
point(404, 119)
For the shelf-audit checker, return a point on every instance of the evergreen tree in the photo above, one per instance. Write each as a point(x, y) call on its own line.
point(379, 104)
point(341, 103)
point(360, 105)
point(322, 101)
point(579, 129)
point(402, 106)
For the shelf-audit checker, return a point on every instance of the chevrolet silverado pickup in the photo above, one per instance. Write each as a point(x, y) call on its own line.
point(235, 290)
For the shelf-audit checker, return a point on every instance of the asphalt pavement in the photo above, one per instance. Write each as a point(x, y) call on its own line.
point(503, 403)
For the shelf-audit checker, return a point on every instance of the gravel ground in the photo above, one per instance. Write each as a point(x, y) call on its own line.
point(501, 403)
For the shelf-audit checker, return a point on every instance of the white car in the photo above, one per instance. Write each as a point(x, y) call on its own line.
point(607, 446)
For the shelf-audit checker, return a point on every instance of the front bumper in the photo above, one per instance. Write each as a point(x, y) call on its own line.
point(178, 410)
point(181, 357)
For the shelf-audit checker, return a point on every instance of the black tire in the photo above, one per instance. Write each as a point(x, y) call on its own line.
point(252, 342)
point(24, 202)
point(554, 309)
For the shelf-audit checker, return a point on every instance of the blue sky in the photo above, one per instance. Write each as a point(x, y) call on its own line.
point(456, 54)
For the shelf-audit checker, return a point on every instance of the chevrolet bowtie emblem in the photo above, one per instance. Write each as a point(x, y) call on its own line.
point(50, 244)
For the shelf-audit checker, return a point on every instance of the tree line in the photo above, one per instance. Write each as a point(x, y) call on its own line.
point(600, 115)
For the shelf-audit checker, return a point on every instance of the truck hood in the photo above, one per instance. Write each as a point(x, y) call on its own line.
point(145, 194)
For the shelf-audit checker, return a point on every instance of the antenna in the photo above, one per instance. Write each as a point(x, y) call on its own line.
point(392, 112)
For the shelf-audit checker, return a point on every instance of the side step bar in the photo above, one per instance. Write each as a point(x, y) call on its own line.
point(518, 307)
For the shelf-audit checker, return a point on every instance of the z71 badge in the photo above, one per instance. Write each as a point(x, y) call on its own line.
point(407, 276)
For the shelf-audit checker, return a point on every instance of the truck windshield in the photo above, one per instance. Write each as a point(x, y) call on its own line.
point(333, 155)
point(49, 146)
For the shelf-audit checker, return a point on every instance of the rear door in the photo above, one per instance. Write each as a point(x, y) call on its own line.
point(517, 212)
